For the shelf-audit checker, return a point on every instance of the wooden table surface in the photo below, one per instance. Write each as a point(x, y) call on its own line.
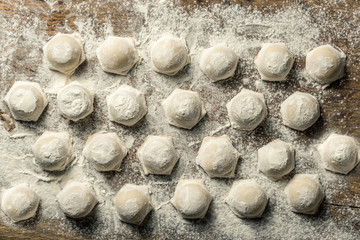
point(347, 90)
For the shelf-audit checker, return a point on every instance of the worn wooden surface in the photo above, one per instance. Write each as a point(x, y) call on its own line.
point(345, 102)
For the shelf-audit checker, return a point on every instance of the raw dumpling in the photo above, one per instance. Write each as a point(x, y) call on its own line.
point(325, 64)
point(53, 151)
point(75, 101)
point(117, 55)
point(274, 61)
point(169, 55)
point(133, 203)
point(158, 155)
point(300, 111)
point(304, 193)
point(191, 198)
point(183, 108)
point(218, 62)
point(247, 110)
point(126, 105)
point(276, 159)
point(247, 199)
point(64, 53)
point(20, 203)
point(26, 101)
point(105, 151)
point(76, 200)
point(218, 157)
point(339, 153)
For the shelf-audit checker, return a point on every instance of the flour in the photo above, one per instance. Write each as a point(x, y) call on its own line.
point(243, 30)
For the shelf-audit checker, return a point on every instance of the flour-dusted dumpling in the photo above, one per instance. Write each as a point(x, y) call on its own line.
point(133, 203)
point(218, 62)
point(53, 151)
point(76, 199)
point(64, 53)
point(126, 105)
point(117, 55)
point(274, 61)
point(300, 111)
point(247, 199)
point(105, 151)
point(325, 64)
point(26, 101)
point(304, 193)
point(75, 101)
point(169, 55)
point(191, 198)
point(247, 110)
point(20, 202)
point(183, 108)
point(339, 153)
point(218, 157)
point(276, 159)
point(158, 155)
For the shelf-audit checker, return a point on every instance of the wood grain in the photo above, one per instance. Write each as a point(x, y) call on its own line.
point(344, 95)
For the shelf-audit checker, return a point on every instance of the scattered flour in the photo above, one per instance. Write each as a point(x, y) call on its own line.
point(244, 30)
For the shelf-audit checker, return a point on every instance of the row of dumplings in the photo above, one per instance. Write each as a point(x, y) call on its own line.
point(169, 54)
point(246, 199)
point(183, 108)
point(53, 151)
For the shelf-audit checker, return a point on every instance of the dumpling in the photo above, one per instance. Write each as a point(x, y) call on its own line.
point(169, 55)
point(20, 202)
point(325, 64)
point(53, 151)
point(247, 199)
point(218, 62)
point(126, 105)
point(105, 151)
point(64, 53)
point(304, 193)
point(117, 55)
point(191, 198)
point(300, 111)
point(274, 61)
point(76, 199)
point(276, 159)
point(158, 155)
point(133, 203)
point(183, 108)
point(26, 101)
point(75, 101)
point(339, 153)
point(247, 110)
point(218, 157)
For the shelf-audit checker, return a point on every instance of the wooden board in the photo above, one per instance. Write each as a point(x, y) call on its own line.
point(344, 95)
